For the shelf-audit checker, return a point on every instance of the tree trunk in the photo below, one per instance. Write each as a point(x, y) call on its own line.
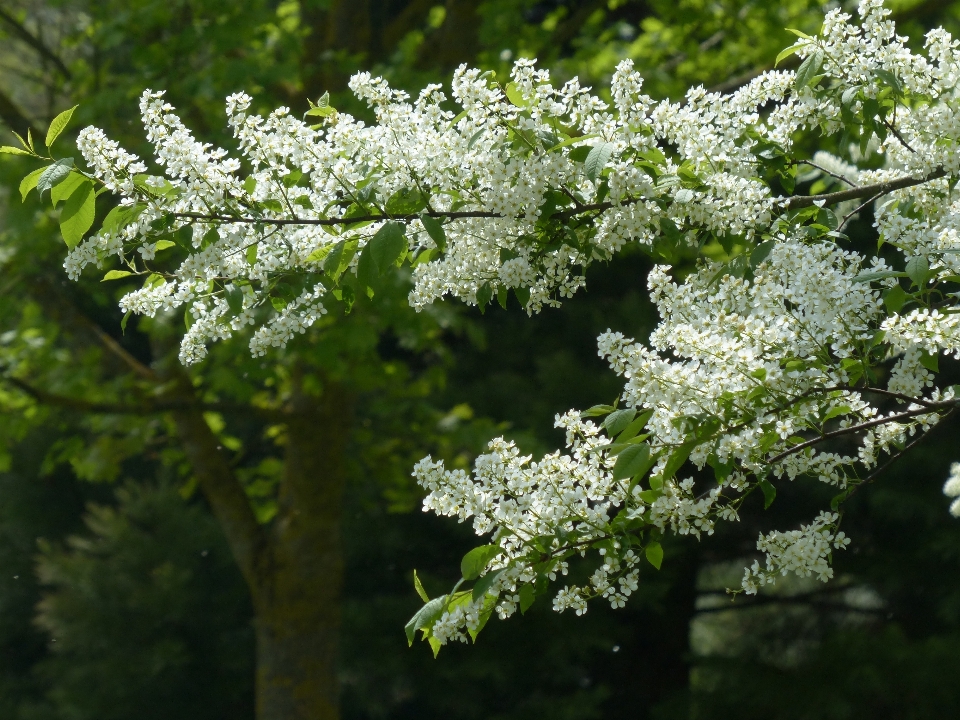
point(294, 566)
point(298, 605)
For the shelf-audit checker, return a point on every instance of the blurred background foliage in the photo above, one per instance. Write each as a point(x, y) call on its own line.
point(119, 595)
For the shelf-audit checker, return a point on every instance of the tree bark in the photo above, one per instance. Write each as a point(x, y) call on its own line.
point(294, 566)
point(298, 607)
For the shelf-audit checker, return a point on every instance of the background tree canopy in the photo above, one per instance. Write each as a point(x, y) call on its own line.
point(171, 539)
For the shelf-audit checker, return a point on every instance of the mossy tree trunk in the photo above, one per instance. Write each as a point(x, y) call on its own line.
point(293, 566)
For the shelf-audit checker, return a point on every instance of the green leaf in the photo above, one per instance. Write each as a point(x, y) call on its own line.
point(388, 246)
point(633, 460)
point(123, 323)
point(635, 427)
point(895, 299)
point(292, 178)
point(485, 583)
point(808, 69)
point(597, 411)
point(425, 617)
point(931, 361)
point(418, 586)
point(654, 553)
point(116, 275)
point(252, 255)
point(918, 270)
point(596, 160)
point(320, 111)
point(761, 252)
point(769, 493)
point(527, 595)
point(889, 79)
point(435, 230)
point(483, 296)
point(367, 270)
point(677, 458)
point(58, 125)
point(121, 216)
point(339, 258)
point(53, 174)
point(78, 214)
point(798, 33)
point(475, 561)
point(836, 412)
point(788, 52)
point(406, 201)
point(871, 276)
point(64, 189)
point(618, 420)
point(29, 182)
point(515, 96)
point(10, 150)
point(573, 140)
point(250, 184)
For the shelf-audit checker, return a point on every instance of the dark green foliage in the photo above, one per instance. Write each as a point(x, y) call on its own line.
point(146, 614)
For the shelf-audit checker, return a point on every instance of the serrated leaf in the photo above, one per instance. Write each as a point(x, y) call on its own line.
point(635, 427)
point(436, 232)
point(871, 276)
point(10, 150)
point(388, 245)
point(761, 252)
point(475, 561)
point(597, 159)
point(425, 617)
point(485, 583)
point(895, 299)
point(618, 420)
point(918, 270)
point(29, 182)
point(484, 294)
point(769, 493)
point(405, 201)
point(64, 189)
point(808, 69)
point(597, 411)
point(931, 361)
point(116, 275)
point(654, 554)
point(677, 458)
point(514, 95)
point(58, 124)
point(632, 460)
point(418, 586)
point(78, 214)
point(787, 52)
point(836, 412)
point(53, 174)
point(527, 595)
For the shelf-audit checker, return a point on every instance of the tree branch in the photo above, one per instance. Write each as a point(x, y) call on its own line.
point(247, 538)
point(928, 410)
point(792, 202)
point(861, 191)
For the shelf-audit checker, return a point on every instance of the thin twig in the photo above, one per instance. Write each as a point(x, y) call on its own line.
point(862, 426)
point(832, 174)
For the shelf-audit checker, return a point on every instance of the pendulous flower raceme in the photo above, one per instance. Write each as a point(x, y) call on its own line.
point(785, 350)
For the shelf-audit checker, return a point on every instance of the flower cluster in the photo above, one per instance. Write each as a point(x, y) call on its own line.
point(784, 350)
